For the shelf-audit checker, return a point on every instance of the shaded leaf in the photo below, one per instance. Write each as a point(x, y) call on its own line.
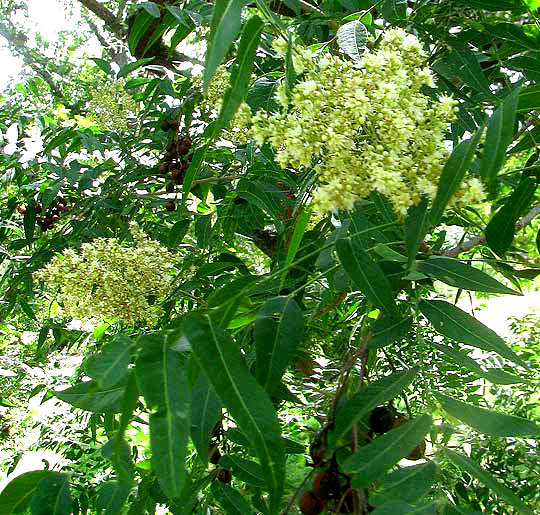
point(279, 328)
point(366, 275)
point(460, 275)
point(230, 499)
point(110, 364)
point(387, 330)
point(466, 464)
point(243, 397)
point(417, 225)
point(370, 462)
point(89, 396)
point(451, 321)
point(17, 494)
point(369, 397)
point(52, 496)
point(487, 421)
point(161, 379)
point(112, 496)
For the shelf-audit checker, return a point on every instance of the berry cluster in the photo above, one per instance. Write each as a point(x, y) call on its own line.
point(52, 214)
point(175, 162)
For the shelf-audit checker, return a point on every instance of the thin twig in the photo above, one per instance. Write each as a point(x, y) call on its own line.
point(480, 239)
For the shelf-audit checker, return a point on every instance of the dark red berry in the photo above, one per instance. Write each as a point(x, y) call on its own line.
point(310, 504)
point(165, 125)
point(21, 209)
point(39, 207)
point(215, 456)
point(326, 485)
point(224, 475)
point(170, 206)
point(169, 188)
point(381, 419)
point(163, 167)
point(60, 206)
point(54, 218)
point(184, 146)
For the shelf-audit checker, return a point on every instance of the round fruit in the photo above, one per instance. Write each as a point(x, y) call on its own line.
point(163, 167)
point(39, 207)
point(214, 457)
point(60, 206)
point(224, 475)
point(184, 146)
point(165, 125)
point(310, 504)
point(21, 209)
point(381, 419)
point(169, 188)
point(54, 218)
point(170, 206)
point(326, 485)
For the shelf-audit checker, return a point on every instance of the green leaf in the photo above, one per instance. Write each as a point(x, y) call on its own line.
point(452, 175)
point(460, 275)
point(223, 303)
point(500, 132)
point(494, 375)
point(151, 8)
point(178, 232)
point(369, 397)
point(242, 70)
point(29, 222)
point(407, 484)
point(247, 471)
point(394, 10)
point(279, 327)
point(205, 412)
point(486, 421)
point(417, 225)
point(89, 396)
point(530, 139)
point(242, 396)
point(466, 464)
point(161, 379)
point(128, 68)
point(493, 5)
point(225, 26)
point(231, 500)
point(265, 196)
point(352, 38)
point(370, 462)
point(387, 330)
point(16, 496)
point(403, 508)
point(529, 98)
point(110, 364)
point(366, 275)
point(102, 64)
point(530, 66)
point(501, 229)
point(451, 321)
point(52, 496)
point(298, 233)
point(112, 496)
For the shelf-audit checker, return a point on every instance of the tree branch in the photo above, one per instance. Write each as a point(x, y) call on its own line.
point(111, 21)
point(481, 239)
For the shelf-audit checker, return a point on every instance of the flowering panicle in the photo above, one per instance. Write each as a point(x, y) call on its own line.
point(107, 279)
point(366, 126)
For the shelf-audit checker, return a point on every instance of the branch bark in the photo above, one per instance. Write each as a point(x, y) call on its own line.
point(481, 239)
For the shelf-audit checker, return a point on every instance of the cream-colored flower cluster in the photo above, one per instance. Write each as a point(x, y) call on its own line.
point(365, 126)
point(111, 106)
point(107, 279)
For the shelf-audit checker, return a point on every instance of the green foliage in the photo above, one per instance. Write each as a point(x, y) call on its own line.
point(252, 262)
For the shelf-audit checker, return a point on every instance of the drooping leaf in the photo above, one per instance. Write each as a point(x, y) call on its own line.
point(371, 461)
point(243, 397)
point(494, 375)
point(205, 412)
point(530, 139)
point(417, 225)
point(452, 175)
point(352, 38)
point(279, 327)
point(225, 26)
point(112, 496)
point(460, 275)
point(241, 72)
point(151, 8)
point(230, 499)
point(499, 489)
point(128, 68)
point(487, 421)
point(500, 131)
point(110, 364)
point(369, 397)
point(89, 396)
point(529, 98)
point(18, 493)
point(52, 496)
point(458, 325)
point(407, 484)
point(366, 275)
point(161, 379)
point(501, 229)
point(387, 330)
